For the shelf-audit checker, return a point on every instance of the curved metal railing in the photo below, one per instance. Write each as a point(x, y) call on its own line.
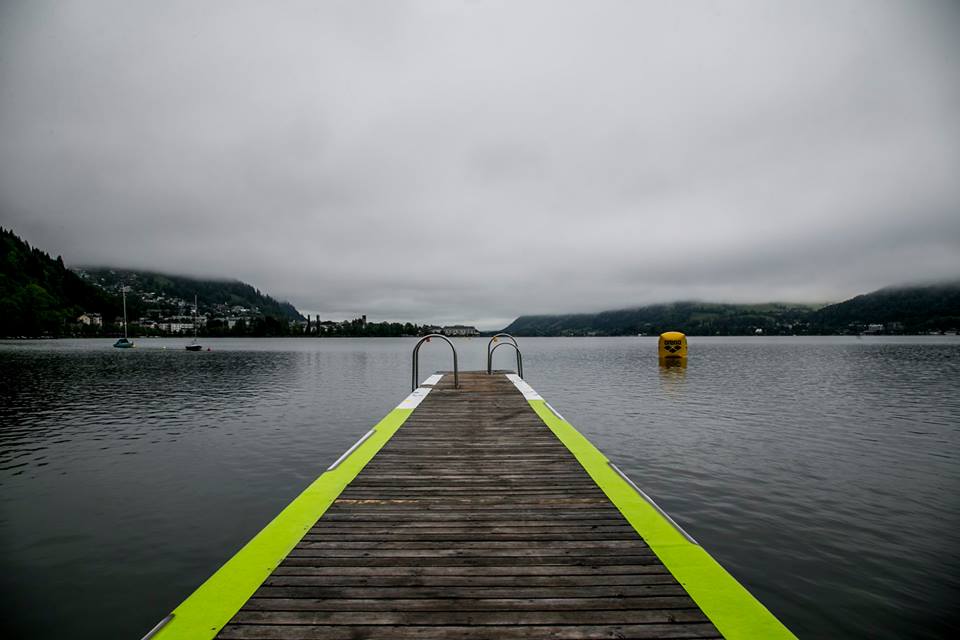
point(519, 358)
point(490, 351)
point(416, 360)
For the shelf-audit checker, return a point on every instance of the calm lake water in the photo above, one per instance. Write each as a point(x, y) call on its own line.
point(822, 472)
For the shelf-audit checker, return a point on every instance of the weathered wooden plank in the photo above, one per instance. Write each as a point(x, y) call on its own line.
point(491, 497)
point(597, 572)
point(451, 550)
point(433, 535)
point(597, 580)
point(407, 530)
point(702, 631)
point(472, 604)
point(469, 561)
point(454, 617)
point(441, 483)
point(609, 591)
point(342, 514)
point(477, 502)
point(385, 478)
point(448, 527)
point(617, 546)
point(557, 497)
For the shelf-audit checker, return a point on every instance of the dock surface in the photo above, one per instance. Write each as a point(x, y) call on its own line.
point(468, 513)
point(473, 521)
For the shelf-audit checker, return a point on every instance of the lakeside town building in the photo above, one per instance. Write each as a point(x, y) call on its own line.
point(459, 330)
point(91, 319)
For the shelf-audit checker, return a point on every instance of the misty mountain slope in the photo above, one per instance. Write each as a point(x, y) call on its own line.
point(208, 292)
point(913, 309)
point(41, 296)
point(694, 318)
point(928, 307)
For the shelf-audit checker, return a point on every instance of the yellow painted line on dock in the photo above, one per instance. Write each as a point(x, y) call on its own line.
point(731, 608)
point(214, 603)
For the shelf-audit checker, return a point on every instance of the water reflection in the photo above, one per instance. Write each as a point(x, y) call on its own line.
point(821, 472)
point(673, 376)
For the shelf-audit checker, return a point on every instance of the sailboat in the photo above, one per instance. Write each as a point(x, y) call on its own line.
point(194, 346)
point(124, 342)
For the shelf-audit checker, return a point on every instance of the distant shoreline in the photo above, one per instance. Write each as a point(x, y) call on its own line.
point(294, 337)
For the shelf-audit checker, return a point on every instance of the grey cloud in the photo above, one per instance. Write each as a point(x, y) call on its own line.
point(476, 161)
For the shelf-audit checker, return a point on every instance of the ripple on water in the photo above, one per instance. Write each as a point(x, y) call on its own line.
point(821, 472)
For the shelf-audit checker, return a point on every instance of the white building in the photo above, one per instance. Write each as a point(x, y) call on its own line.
point(460, 330)
point(91, 319)
point(175, 326)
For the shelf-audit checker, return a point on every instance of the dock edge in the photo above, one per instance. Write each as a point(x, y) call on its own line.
point(735, 612)
point(208, 609)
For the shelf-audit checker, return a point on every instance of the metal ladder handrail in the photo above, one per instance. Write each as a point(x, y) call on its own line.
point(519, 358)
point(490, 351)
point(416, 360)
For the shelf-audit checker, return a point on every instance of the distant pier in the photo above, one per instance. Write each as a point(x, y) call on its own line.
point(471, 512)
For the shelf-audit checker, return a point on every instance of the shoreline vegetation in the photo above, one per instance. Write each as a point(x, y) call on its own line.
point(40, 297)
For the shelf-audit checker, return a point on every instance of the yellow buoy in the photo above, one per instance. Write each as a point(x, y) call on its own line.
point(672, 349)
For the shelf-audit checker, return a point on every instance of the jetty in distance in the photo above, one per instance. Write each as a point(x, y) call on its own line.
point(472, 510)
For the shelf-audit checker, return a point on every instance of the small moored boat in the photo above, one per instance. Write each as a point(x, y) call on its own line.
point(194, 346)
point(124, 342)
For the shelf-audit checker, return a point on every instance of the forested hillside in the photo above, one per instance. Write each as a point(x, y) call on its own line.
point(41, 296)
point(915, 309)
point(149, 287)
point(693, 318)
point(908, 309)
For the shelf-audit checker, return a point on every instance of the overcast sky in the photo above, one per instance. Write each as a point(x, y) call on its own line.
point(474, 161)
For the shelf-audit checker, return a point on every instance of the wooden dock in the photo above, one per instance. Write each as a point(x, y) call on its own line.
point(479, 518)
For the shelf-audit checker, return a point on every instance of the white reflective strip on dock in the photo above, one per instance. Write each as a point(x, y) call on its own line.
point(530, 394)
point(413, 400)
point(650, 501)
point(524, 388)
point(432, 380)
point(555, 412)
point(156, 629)
point(347, 453)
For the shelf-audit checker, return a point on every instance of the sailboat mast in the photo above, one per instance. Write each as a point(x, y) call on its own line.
point(123, 292)
point(195, 310)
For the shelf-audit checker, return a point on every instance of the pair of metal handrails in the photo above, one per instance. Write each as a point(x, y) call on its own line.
point(512, 343)
point(414, 383)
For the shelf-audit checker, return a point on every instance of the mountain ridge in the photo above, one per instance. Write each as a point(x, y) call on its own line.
point(918, 308)
point(41, 296)
point(148, 284)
